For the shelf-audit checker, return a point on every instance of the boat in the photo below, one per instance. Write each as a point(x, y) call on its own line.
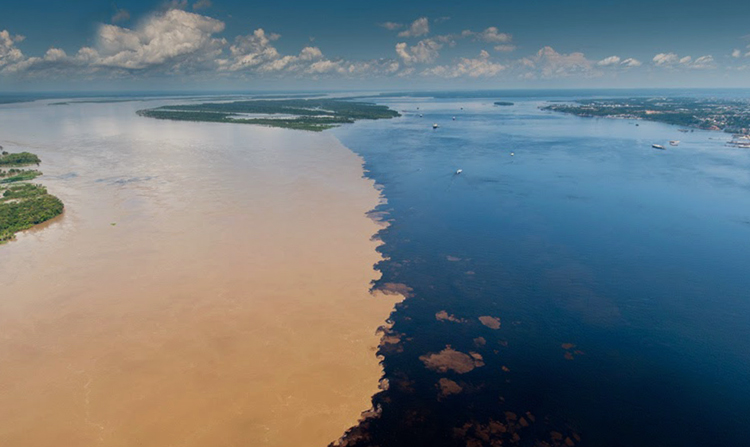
point(658, 146)
point(674, 142)
point(435, 126)
point(454, 118)
point(420, 115)
point(458, 171)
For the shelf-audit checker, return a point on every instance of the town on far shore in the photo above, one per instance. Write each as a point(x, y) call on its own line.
point(731, 116)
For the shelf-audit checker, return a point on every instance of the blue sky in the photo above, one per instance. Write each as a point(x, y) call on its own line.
point(227, 44)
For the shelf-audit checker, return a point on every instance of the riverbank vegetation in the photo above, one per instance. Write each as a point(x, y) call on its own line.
point(301, 114)
point(18, 175)
point(19, 159)
point(23, 204)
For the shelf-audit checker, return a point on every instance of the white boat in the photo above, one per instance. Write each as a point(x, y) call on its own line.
point(435, 126)
point(674, 142)
point(458, 171)
point(454, 118)
point(420, 115)
point(658, 146)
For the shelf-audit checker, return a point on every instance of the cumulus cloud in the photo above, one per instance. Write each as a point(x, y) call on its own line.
point(425, 51)
point(608, 61)
point(419, 27)
point(202, 4)
point(251, 51)
point(391, 26)
point(169, 37)
point(176, 41)
point(665, 59)
point(255, 53)
point(173, 41)
point(9, 54)
point(480, 66)
point(548, 63)
point(490, 35)
point(617, 61)
point(703, 62)
point(736, 53)
point(121, 15)
point(672, 60)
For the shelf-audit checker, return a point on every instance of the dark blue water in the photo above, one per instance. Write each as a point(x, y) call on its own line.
point(586, 236)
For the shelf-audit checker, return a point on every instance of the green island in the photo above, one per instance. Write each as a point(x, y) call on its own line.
point(732, 116)
point(301, 114)
point(504, 103)
point(23, 204)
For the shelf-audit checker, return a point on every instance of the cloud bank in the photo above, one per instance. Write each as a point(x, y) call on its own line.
point(177, 40)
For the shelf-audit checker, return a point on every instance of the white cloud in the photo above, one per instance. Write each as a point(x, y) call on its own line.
point(121, 15)
point(490, 35)
point(480, 66)
point(173, 36)
point(256, 54)
point(9, 54)
point(617, 61)
point(704, 62)
point(310, 53)
point(608, 61)
point(391, 26)
point(425, 51)
point(665, 59)
point(419, 27)
point(736, 53)
point(673, 61)
point(202, 4)
point(548, 63)
point(174, 41)
point(252, 50)
point(55, 54)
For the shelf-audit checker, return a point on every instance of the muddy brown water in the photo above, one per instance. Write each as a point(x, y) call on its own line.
point(207, 285)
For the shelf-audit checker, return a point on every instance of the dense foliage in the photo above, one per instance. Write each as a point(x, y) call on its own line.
point(23, 205)
point(301, 114)
point(20, 176)
point(19, 159)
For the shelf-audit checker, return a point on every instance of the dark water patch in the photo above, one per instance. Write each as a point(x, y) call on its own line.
point(66, 176)
point(617, 275)
point(119, 181)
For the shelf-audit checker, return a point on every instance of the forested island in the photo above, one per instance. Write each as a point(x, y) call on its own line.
point(504, 103)
point(732, 116)
point(23, 204)
point(301, 114)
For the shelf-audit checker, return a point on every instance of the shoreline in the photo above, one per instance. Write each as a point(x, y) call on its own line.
point(154, 331)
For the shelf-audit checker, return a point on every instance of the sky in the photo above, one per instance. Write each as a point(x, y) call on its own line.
point(357, 44)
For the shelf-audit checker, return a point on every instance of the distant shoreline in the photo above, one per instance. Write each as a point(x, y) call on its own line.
point(313, 115)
